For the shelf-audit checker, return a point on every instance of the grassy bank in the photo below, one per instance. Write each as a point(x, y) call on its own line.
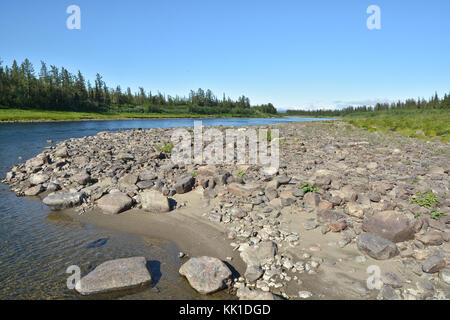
point(428, 124)
point(45, 115)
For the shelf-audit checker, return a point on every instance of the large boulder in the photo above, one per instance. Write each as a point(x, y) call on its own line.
point(206, 274)
point(376, 247)
point(114, 203)
point(153, 200)
point(115, 275)
point(184, 185)
point(256, 256)
point(433, 264)
point(390, 225)
point(60, 201)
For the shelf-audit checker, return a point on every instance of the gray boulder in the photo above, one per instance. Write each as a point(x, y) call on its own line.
point(60, 201)
point(206, 274)
point(433, 264)
point(376, 247)
point(153, 200)
point(114, 203)
point(115, 275)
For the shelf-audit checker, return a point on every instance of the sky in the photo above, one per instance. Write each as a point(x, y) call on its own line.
point(294, 54)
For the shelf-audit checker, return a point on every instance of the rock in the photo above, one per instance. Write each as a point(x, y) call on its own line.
point(390, 225)
point(61, 152)
point(433, 238)
point(115, 275)
point(444, 274)
point(245, 293)
point(261, 253)
point(114, 203)
point(329, 216)
point(376, 247)
point(269, 171)
point(128, 180)
point(304, 294)
point(209, 193)
point(391, 279)
point(243, 190)
point(153, 200)
point(355, 209)
point(82, 178)
point(388, 293)
point(338, 226)
point(34, 191)
point(433, 264)
point(206, 274)
point(124, 156)
point(38, 178)
point(253, 273)
point(60, 201)
point(311, 199)
point(145, 184)
point(184, 185)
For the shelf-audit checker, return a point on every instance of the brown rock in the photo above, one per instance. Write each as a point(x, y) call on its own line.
point(390, 225)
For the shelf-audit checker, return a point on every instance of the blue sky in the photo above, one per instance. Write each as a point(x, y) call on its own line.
point(306, 54)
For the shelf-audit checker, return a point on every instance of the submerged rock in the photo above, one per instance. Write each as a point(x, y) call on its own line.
point(115, 275)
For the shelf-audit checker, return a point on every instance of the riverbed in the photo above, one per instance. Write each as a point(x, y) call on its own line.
point(37, 246)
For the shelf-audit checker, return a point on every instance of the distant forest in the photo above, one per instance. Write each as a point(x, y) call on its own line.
point(433, 103)
point(57, 89)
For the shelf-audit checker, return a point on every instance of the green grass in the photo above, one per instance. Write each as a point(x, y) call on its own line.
point(307, 188)
point(47, 115)
point(166, 147)
point(434, 123)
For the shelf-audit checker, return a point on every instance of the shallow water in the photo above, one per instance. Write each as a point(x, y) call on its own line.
point(37, 246)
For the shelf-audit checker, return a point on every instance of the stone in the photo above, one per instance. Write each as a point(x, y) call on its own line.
point(243, 190)
point(444, 274)
point(60, 201)
point(269, 171)
point(184, 185)
point(114, 203)
point(38, 178)
point(433, 264)
point(245, 293)
point(329, 216)
point(388, 293)
point(355, 209)
point(390, 225)
point(253, 273)
point(61, 152)
point(338, 226)
point(153, 200)
point(115, 275)
point(34, 191)
point(376, 247)
point(433, 238)
point(259, 254)
point(304, 294)
point(82, 178)
point(206, 274)
point(311, 199)
point(391, 279)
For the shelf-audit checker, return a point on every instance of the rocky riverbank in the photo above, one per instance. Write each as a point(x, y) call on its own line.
point(343, 202)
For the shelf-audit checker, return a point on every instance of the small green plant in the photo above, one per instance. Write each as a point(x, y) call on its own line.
point(428, 200)
point(240, 174)
point(194, 174)
point(436, 214)
point(307, 188)
point(166, 147)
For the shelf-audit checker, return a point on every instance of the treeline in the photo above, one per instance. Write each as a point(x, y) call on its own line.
point(433, 103)
point(56, 88)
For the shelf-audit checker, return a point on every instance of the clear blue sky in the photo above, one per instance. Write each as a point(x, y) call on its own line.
point(292, 53)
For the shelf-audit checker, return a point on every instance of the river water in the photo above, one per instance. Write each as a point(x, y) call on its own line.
point(37, 246)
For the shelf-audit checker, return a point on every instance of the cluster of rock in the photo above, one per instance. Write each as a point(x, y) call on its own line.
point(353, 182)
